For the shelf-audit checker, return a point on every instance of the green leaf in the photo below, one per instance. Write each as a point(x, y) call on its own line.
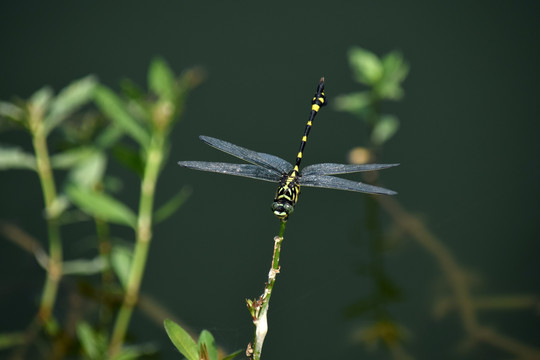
point(8, 340)
point(114, 108)
point(16, 158)
point(384, 129)
point(89, 171)
point(354, 102)
point(395, 72)
point(69, 100)
point(101, 205)
point(207, 340)
point(11, 111)
point(234, 354)
point(92, 343)
point(181, 339)
point(110, 136)
point(366, 66)
point(121, 258)
point(129, 158)
point(71, 157)
point(161, 79)
point(41, 99)
point(170, 207)
point(84, 266)
point(132, 90)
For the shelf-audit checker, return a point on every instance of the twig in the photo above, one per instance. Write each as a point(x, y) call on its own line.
point(259, 307)
point(455, 276)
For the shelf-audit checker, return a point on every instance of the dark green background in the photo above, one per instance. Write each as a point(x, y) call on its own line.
point(468, 148)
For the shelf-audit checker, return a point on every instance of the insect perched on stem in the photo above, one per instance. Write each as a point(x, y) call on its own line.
point(274, 169)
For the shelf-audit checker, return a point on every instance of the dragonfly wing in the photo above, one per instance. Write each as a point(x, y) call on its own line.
point(332, 182)
point(332, 169)
point(245, 170)
point(265, 160)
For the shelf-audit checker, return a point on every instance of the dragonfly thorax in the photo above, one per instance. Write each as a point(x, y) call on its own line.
point(286, 195)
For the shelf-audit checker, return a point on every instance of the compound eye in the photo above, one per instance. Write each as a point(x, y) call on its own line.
point(275, 206)
point(288, 208)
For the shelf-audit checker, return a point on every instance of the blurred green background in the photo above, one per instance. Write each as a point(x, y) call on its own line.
point(467, 145)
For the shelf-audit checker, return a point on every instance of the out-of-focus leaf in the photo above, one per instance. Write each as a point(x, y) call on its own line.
point(110, 136)
point(384, 129)
point(16, 158)
point(181, 339)
point(89, 171)
point(92, 343)
point(161, 79)
point(115, 109)
point(136, 352)
point(395, 72)
point(129, 158)
point(58, 206)
point(84, 266)
point(41, 99)
point(131, 90)
point(207, 340)
point(101, 205)
point(69, 100)
point(234, 354)
point(71, 157)
point(172, 205)
point(121, 257)
point(8, 340)
point(11, 111)
point(354, 102)
point(366, 66)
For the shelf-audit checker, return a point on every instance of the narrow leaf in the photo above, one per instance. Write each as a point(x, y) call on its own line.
point(101, 206)
point(181, 339)
point(170, 207)
point(69, 100)
point(89, 171)
point(41, 99)
point(234, 354)
point(8, 340)
point(366, 66)
point(89, 340)
point(161, 79)
point(353, 102)
point(16, 158)
point(121, 257)
point(384, 129)
point(207, 340)
point(130, 158)
point(84, 266)
point(115, 109)
point(71, 157)
point(11, 111)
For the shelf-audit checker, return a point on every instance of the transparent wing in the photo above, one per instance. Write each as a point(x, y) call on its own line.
point(331, 182)
point(245, 170)
point(265, 160)
point(332, 169)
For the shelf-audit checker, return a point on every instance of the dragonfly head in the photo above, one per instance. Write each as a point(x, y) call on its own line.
point(282, 209)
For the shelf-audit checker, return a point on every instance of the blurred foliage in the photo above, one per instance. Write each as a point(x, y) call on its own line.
point(84, 138)
point(383, 77)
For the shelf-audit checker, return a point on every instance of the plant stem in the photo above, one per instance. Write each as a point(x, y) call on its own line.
point(144, 236)
point(259, 308)
point(54, 266)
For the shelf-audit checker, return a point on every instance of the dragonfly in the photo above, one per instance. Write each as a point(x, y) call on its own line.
point(266, 167)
